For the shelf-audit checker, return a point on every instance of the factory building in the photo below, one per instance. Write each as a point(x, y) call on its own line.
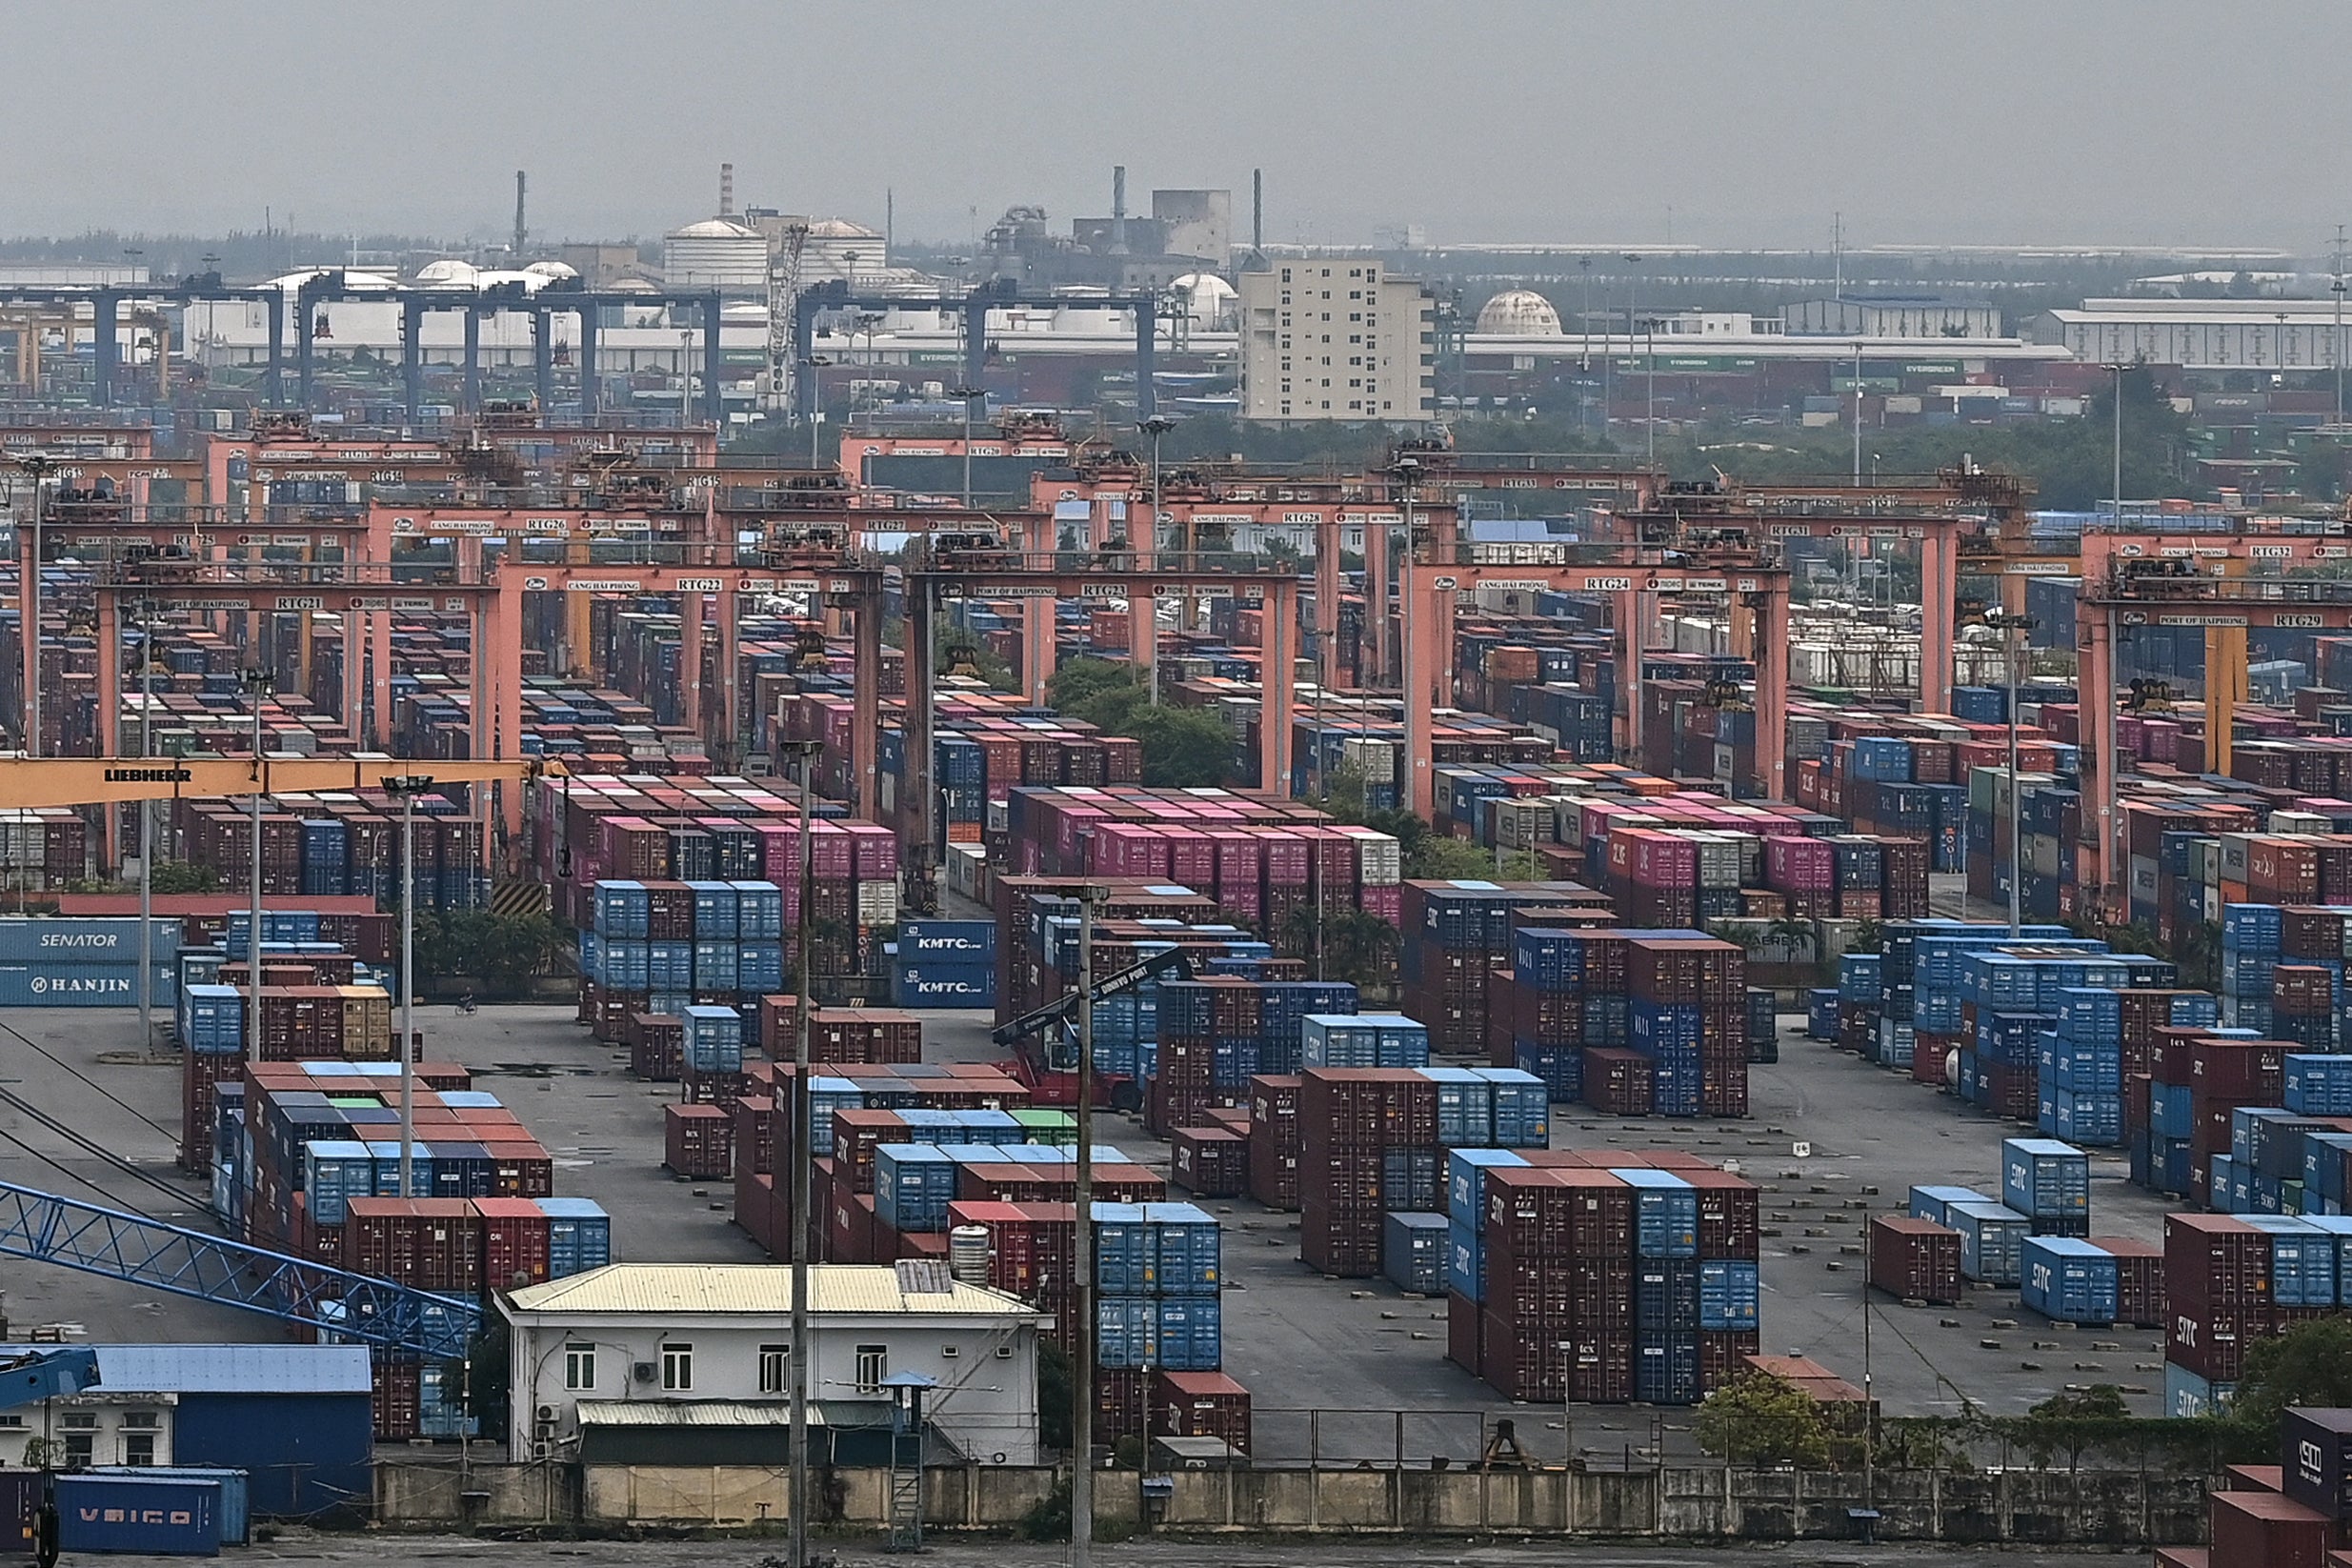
point(653, 1363)
point(1892, 315)
point(1336, 342)
point(2202, 334)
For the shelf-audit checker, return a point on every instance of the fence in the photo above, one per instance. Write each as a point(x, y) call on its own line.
point(1704, 1503)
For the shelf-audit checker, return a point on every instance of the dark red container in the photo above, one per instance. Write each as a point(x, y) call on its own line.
point(1617, 1081)
point(1915, 1260)
point(1209, 1161)
point(514, 1242)
point(2140, 1280)
point(699, 1141)
point(1465, 1334)
point(1200, 1404)
point(2268, 1530)
point(431, 1243)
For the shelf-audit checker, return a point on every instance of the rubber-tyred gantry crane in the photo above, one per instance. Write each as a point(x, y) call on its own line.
point(2290, 577)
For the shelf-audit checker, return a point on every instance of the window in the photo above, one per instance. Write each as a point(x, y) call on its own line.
point(78, 1420)
point(949, 1353)
point(678, 1368)
point(872, 1366)
point(138, 1448)
point(775, 1361)
point(139, 1421)
point(12, 1423)
point(79, 1450)
point(579, 1367)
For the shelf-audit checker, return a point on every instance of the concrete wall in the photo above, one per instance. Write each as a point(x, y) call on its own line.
point(2118, 1508)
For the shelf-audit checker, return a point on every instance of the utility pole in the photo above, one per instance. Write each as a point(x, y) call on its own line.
point(804, 1155)
point(147, 834)
point(37, 464)
point(256, 687)
point(2336, 288)
point(1858, 410)
point(1082, 1253)
point(406, 789)
point(1156, 427)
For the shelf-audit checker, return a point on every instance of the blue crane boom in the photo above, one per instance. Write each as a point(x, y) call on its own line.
point(40, 1375)
point(49, 1229)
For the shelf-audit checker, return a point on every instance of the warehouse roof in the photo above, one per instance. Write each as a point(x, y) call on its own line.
point(765, 1289)
point(226, 1369)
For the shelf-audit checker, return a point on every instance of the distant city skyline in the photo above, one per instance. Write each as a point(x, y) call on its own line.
point(2107, 122)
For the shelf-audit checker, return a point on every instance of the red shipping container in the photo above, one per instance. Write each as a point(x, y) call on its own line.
point(2268, 1530)
point(1915, 1260)
point(1209, 1161)
point(699, 1141)
point(514, 1242)
point(2140, 1280)
point(1200, 1404)
point(1465, 1334)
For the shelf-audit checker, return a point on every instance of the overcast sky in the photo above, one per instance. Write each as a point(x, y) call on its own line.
point(1973, 121)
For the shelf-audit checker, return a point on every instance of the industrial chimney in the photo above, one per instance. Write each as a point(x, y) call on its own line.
point(518, 214)
point(726, 191)
point(1119, 209)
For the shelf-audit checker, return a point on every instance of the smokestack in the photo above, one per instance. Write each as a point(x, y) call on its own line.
point(1257, 216)
point(726, 191)
point(1119, 209)
point(518, 214)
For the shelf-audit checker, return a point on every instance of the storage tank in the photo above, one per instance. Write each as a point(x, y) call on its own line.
point(716, 253)
point(967, 1254)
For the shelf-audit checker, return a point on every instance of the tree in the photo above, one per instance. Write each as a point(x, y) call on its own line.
point(508, 952)
point(1077, 682)
point(2309, 1364)
point(1054, 1411)
point(1758, 1419)
point(180, 877)
point(1434, 859)
point(1183, 748)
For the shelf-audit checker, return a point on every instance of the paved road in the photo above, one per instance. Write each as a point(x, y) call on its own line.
point(368, 1551)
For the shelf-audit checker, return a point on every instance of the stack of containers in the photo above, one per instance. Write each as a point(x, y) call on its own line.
point(1457, 932)
point(662, 947)
point(2049, 1183)
point(1367, 1135)
point(2218, 1289)
point(945, 963)
point(1158, 1271)
point(1601, 1279)
point(1277, 1141)
point(316, 1154)
point(1992, 1235)
point(2082, 1068)
point(2201, 1080)
point(1688, 1012)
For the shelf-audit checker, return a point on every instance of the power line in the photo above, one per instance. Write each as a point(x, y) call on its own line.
point(104, 1154)
point(42, 1050)
point(63, 1169)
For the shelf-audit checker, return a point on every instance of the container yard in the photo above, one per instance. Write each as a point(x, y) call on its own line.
point(1495, 1053)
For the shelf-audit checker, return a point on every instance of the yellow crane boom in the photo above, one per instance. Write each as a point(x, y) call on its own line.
point(29, 782)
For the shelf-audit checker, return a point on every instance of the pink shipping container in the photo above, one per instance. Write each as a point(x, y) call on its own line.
point(875, 851)
point(1801, 865)
point(1192, 858)
point(1285, 855)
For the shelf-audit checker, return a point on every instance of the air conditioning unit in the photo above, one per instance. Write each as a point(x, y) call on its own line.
point(644, 1371)
point(538, 1451)
point(547, 1413)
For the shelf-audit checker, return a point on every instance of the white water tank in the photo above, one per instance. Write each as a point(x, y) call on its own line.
point(967, 1254)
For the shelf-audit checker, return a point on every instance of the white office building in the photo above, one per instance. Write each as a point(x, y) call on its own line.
point(601, 1355)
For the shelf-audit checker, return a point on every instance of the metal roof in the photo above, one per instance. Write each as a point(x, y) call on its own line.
point(227, 1369)
point(762, 1289)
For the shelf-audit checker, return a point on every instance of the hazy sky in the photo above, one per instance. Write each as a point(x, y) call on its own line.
point(2078, 121)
